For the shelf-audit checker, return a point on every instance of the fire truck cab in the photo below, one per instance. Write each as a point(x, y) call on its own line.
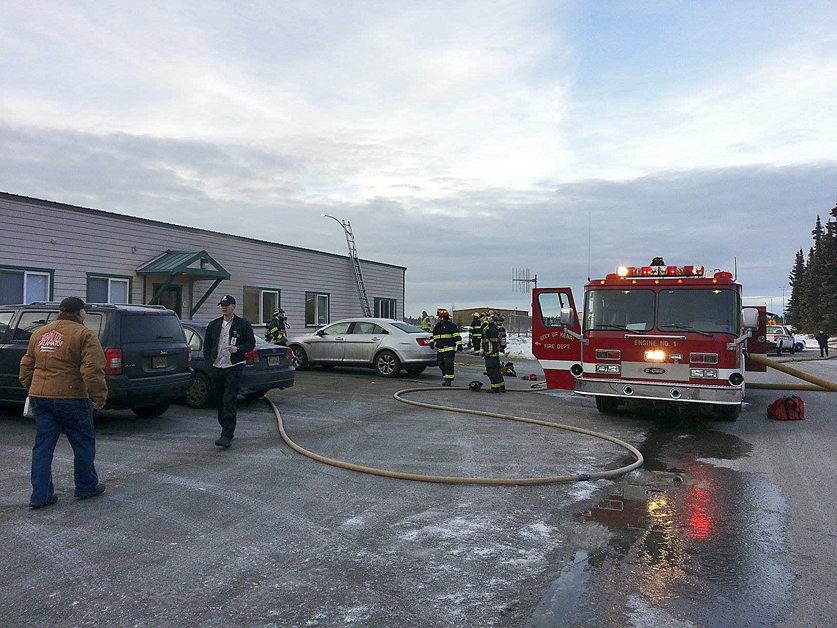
point(654, 333)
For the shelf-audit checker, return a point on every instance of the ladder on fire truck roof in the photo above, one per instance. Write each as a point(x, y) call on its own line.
point(361, 288)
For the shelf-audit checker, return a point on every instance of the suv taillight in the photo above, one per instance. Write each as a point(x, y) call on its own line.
point(289, 353)
point(188, 356)
point(424, 342)
point(252, 356)
point(113, 362)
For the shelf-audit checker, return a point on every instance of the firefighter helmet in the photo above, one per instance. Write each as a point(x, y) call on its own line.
point(280, 313)
point(476, 314)
point(442, 313)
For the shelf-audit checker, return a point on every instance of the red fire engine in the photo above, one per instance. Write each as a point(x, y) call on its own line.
point(655, 333)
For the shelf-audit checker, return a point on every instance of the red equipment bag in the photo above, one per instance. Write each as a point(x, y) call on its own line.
point(787, 409)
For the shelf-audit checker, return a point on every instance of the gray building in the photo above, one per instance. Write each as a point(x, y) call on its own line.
point(51, 250)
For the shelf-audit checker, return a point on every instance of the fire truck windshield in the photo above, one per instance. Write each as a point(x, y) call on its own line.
point(630, 310)
point(702, 311)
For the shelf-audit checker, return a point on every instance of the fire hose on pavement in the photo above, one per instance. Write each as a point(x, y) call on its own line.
point(577, 477)
point(816, 383)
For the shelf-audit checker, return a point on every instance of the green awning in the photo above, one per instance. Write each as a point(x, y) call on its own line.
point(196, 264)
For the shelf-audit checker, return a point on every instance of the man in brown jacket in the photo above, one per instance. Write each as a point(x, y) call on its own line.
point(64, 370)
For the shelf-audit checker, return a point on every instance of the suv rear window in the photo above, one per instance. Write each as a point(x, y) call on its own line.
point(151, 328)
point(30, 321)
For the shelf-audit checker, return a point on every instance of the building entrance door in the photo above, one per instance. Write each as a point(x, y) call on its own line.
point(171, 298)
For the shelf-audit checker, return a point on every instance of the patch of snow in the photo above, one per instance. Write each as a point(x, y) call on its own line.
point(355, 614)
point(735, 465)
point(584, 490)
point(642, 614)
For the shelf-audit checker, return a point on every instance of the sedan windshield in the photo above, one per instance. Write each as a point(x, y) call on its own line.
point(715, 311)
point(628, 310)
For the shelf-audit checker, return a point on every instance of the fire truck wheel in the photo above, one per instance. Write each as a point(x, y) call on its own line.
point(606, 405)
point(727, 413)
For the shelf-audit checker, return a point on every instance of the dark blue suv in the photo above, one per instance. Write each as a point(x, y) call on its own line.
point(147, 356)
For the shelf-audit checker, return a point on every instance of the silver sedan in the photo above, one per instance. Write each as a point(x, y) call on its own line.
point(381, 343)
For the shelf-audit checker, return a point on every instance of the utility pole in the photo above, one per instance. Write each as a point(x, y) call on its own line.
point(350, 241)
point(783, 304)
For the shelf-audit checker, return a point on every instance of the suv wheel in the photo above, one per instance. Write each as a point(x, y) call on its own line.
point(387, 364)
point(199, 393)
point(149, 412)
point(299, 359)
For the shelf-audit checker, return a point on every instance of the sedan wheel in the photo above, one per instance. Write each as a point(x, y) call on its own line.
point(300, 360)
point(387, 364)
point(198, 394)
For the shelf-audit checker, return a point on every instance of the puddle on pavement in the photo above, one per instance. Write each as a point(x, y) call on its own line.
point(692, 540)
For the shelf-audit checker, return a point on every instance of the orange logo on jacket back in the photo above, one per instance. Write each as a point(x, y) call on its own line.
point(51, 340)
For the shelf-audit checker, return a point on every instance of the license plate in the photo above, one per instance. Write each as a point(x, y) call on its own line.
point(272, 360)
point(159, 362)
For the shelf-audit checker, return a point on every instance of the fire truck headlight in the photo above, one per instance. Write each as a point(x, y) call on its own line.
point(609, 369)
point(655, 355)
point(703, 373)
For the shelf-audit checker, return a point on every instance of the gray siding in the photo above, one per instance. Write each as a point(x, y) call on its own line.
point(74, 241)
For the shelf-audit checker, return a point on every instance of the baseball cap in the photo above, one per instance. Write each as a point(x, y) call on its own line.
point(227, 299)
point(71, 305)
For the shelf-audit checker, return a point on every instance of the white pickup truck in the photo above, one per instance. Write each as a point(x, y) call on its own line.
point(780, 338)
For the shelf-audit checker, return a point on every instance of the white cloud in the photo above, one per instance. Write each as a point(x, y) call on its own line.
point(475, 134)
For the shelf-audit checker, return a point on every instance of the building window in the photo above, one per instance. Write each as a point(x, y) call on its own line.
point(24, 285)
point(108, 288)
point(316, 309)
point(385, 308)
point(260, 304)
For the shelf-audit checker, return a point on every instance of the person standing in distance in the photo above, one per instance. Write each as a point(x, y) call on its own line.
point(228, 339)
point(447, 341)
point(822, 341)
point(425, 321)
point(491, 351)
point(475, 331)
point(64, 371)
point(276, 332)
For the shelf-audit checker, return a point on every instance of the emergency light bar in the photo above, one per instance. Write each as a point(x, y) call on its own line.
point(660, 271)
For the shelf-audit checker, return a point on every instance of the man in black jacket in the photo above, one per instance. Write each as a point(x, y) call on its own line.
point(228, 340)
point(822, 341)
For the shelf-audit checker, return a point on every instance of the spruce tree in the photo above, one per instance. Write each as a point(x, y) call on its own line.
point(813, 293)
point(796, 278)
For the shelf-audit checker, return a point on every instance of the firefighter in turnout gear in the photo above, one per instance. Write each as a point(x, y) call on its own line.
point(475, 331)
point(447, 341)
point(425, 321)
point(491, 351)
point(276, 332)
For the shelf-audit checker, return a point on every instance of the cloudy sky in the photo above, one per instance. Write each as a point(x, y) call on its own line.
point(461, 139)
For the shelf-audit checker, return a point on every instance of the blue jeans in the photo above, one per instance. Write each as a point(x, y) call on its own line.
point(74, 417)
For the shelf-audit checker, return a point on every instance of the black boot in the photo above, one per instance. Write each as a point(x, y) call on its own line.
point(447, 382)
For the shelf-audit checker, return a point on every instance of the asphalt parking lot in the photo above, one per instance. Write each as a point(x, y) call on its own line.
point(190, 534)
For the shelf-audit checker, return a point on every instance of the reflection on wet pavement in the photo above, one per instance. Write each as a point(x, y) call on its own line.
point(692, 541)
